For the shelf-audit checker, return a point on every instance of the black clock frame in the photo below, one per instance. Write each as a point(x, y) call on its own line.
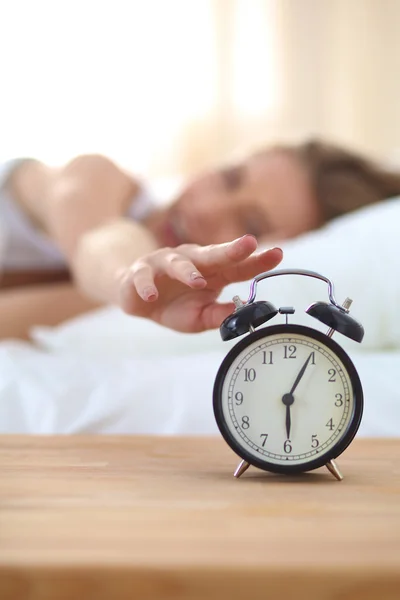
point(355, 419)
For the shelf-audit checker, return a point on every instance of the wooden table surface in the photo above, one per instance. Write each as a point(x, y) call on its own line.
point(146, 517)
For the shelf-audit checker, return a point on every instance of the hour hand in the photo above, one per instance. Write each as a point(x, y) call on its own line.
point(288, 400)
point(288, 421)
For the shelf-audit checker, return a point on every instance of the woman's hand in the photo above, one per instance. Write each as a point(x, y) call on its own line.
point(178, 287)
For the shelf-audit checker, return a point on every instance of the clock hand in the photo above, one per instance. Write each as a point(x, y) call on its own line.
point(300, 375)
point(288, 400)
point(288, 421)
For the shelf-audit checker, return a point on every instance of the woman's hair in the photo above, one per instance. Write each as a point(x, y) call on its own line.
point(344, 181)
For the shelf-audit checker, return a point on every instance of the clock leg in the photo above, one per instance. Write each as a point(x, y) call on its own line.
point(241, 468)
point(333, 468)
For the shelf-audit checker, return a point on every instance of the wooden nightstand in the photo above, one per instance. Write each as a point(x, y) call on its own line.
point(148, 517)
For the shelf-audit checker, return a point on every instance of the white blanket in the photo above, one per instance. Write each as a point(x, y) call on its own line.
point(107, 373)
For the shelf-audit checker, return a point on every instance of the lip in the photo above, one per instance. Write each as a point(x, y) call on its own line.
point(168, 233)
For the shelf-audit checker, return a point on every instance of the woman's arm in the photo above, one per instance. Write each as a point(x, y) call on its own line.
point(49, 304)
point(115, 260)
point(81, 206)
point(103, 254)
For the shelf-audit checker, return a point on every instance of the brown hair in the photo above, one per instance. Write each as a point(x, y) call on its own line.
point(344, 181)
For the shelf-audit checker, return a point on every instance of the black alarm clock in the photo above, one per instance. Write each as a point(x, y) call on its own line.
point(287, 398)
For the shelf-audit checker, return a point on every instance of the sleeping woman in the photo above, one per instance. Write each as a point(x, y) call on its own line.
point(87, 234)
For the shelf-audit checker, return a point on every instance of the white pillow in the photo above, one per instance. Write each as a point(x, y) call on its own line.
point(360, 253)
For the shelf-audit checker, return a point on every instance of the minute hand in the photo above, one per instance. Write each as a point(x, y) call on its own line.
point(300, 375)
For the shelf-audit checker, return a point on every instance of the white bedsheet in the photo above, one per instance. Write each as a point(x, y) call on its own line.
point(107, 373)
point(67, 393)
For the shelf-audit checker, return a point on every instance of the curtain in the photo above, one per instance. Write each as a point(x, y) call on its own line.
point(168, 87)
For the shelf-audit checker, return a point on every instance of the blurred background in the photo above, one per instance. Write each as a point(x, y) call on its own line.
point(168, 87)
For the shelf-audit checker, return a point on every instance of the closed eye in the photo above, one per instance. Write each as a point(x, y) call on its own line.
point(232, 177)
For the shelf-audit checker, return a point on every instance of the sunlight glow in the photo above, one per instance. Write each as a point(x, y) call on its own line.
point(102, 76)
point(255, 77)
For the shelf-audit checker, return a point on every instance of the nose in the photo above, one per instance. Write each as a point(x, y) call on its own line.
point(203, 223)
point(215, 225)
point(210, 215)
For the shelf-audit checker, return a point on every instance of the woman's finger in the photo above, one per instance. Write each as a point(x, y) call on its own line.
point(179, 267)
point(143, 274)
point(222, 255)
point(140, 277)
point(264, 261)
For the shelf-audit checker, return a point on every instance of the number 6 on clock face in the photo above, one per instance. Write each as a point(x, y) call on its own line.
point(287, 398)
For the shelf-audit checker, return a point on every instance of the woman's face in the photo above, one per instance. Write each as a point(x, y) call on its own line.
point(269, 195)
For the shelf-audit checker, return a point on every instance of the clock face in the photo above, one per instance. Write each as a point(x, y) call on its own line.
point(288, 398)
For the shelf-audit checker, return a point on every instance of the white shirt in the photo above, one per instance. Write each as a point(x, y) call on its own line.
point(23, 246)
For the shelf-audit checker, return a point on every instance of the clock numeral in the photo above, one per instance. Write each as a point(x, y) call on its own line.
point(239, 398)
point(289, 351)
point(339, 400)
point(332, 374)
point(269, 361)
point(265, 436)
point(245, 422)
point(314, 441)
point(287, 447)
point(330, 425)
point(312, 359)
point(249, 374)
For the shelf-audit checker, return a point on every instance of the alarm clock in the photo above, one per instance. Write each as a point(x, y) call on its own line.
point(287, 398)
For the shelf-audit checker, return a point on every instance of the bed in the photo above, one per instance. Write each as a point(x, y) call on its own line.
point(107, 373)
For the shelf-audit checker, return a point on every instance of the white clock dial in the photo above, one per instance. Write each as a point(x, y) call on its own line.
point(287, 398)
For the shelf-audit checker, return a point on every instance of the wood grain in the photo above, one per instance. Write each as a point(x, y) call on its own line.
point(148, 517)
